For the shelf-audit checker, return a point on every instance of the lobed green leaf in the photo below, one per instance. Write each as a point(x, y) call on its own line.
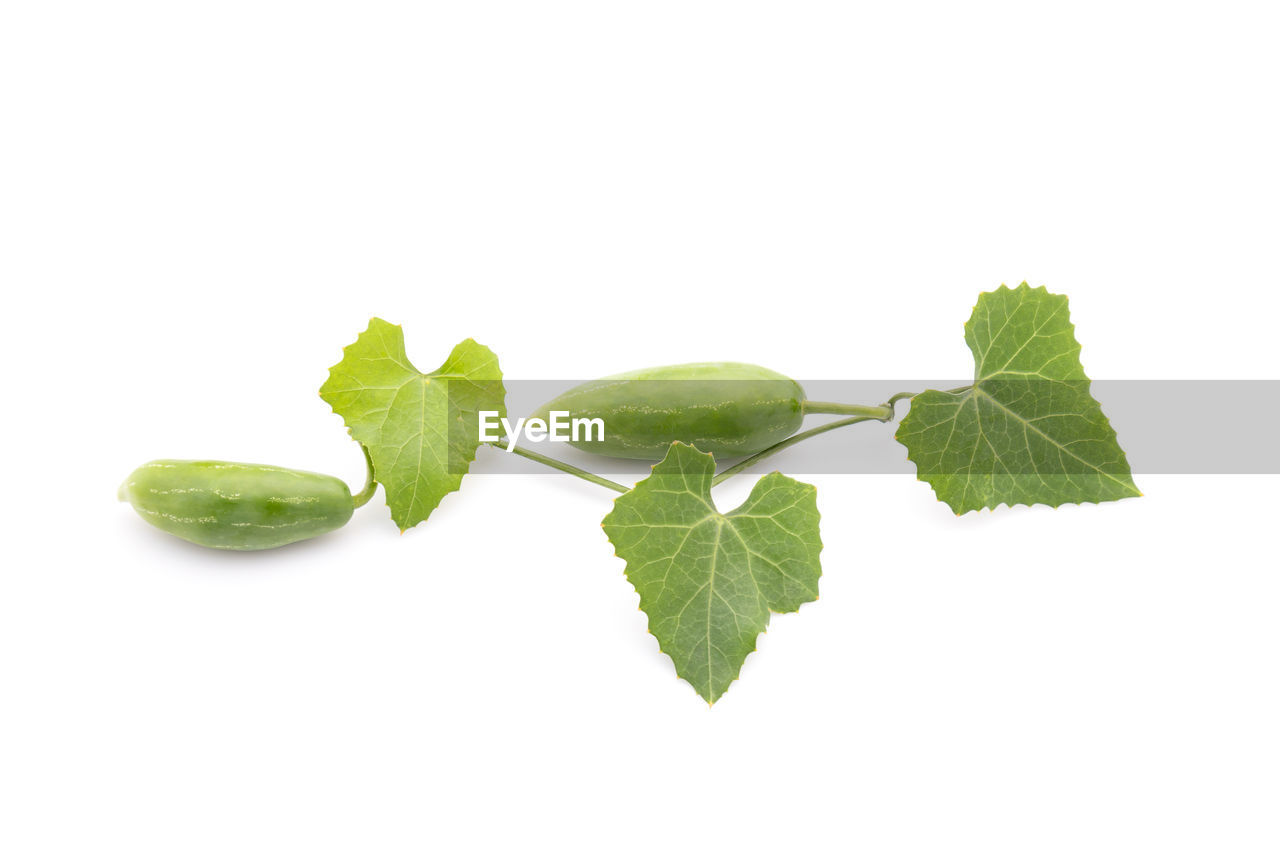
point(708, 580)
point(1028, 430)
point(421, 429)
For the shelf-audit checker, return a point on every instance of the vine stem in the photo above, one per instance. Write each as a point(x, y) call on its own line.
point(784, 444)
point(560, 466)
point(882, 413)
point(901, 395)
point(370, 484)
point(877, 413)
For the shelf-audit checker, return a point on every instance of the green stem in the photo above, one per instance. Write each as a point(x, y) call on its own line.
point(878, 413)
point(901, 395)
point(907, 395)
point(860, 414)
point(370, 484)
point(561, 466)
point(784, 444)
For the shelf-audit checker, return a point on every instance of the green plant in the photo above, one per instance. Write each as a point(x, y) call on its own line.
point(1026, 431)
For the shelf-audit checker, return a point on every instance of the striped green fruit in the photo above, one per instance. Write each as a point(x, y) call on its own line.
point(721, 407)
point(237, 506)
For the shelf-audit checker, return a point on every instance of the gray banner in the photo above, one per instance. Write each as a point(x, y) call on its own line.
point(1219, 426)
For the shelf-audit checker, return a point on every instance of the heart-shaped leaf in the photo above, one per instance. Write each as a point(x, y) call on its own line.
point(708, 580)
point(1028, 430)
point(421, 429)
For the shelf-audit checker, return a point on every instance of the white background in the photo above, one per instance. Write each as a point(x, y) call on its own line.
point(200, 204)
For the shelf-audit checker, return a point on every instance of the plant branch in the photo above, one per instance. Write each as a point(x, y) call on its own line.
point(370, 484)
point(783, 445)
point(878, 413)
point(891, 403)
point(560, 466)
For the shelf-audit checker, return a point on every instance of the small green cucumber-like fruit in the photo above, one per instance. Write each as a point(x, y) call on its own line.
point(721, 407)
point(237, 506)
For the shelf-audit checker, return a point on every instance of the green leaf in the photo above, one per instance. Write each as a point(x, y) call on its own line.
point(707, 580)
point(1028, 430)
point(421, 429)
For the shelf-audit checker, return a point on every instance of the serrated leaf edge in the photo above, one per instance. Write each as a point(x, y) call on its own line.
point(1024, 286)
point(771, 612)
point(470, 456)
